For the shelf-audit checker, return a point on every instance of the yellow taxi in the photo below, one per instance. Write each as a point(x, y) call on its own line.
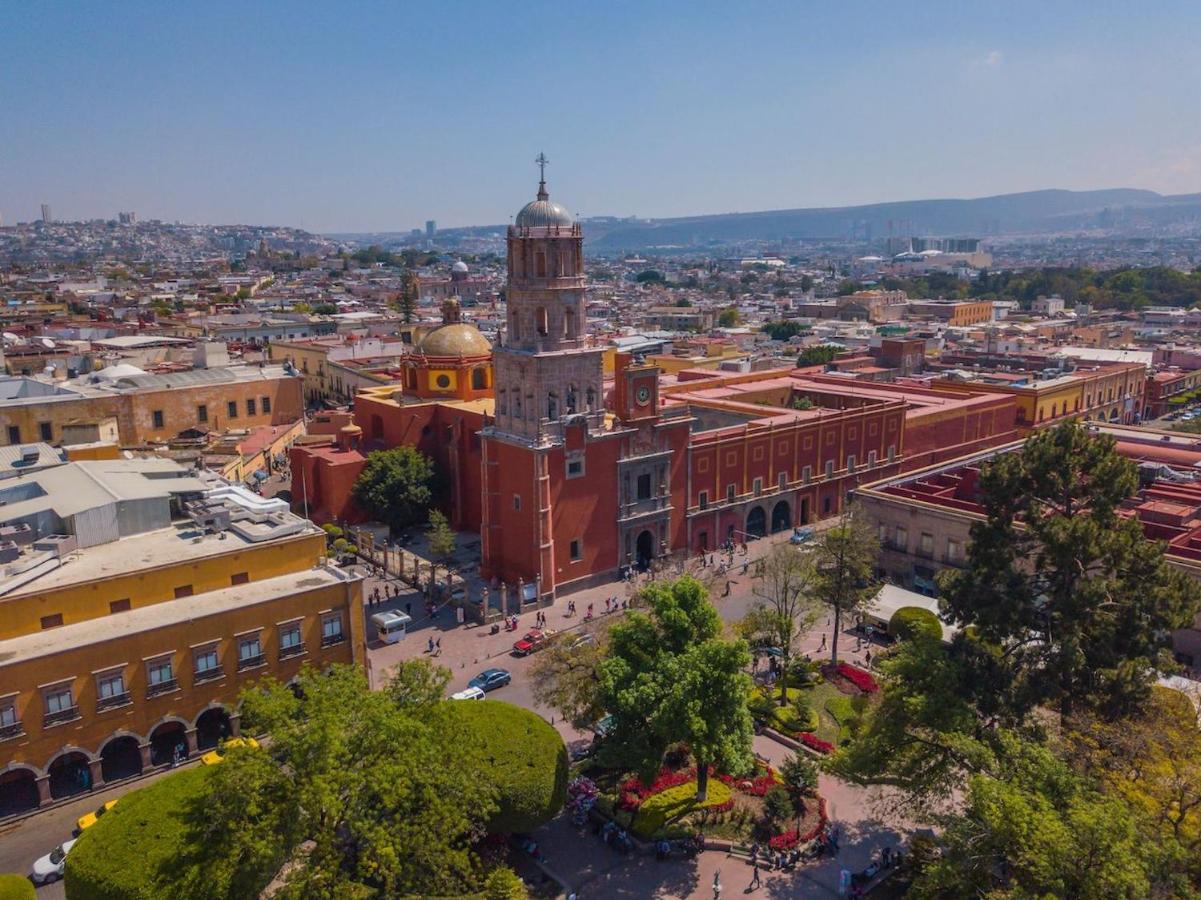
point(87, 821)
point(215, 756)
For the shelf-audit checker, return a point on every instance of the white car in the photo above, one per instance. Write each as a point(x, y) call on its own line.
point(50, 867)
point(471, 693)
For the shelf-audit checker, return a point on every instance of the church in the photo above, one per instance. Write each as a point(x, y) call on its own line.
point(571, 475)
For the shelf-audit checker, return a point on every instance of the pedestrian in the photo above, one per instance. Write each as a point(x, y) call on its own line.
point(717, 885)
point(438, 647)
point(431, 649)
point(727, 591)
point(409, 608)
point(867, 658)
point(755, 882)
point(823, 646)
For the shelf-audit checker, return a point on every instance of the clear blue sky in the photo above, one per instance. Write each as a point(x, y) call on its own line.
point(357, 116)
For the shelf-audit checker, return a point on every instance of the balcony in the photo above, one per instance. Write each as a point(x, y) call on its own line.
point(162, 687)
point(70, 714)
point(252, 662)
point(330, 640)
point(296, 649)
point(112, 701)
point(8, 732)
point(209, 674)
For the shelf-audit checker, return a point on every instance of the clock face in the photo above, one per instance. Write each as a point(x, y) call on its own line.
point(643, 396)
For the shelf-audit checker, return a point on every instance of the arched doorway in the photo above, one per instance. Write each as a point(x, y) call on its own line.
point(212, 727)
point(1113, 415)
point(804, 511)
point(70, 774)
point(781, 516)
point(645, 549)
point(756, 522)
point(18, 791)
point(164, 740)
point(120, 758)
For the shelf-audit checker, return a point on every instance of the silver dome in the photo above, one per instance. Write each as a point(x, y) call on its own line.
point(542, 213)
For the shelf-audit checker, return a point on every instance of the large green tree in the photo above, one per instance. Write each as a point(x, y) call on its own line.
point(566, 678)
point(669, 676)
point(1080, 605)
point(845, 559)
point(396, 486)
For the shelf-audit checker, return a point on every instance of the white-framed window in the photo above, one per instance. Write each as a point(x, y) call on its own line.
point(953, 550)
point(58, 700)
point(901, 538)
point(290, 641)
point(331, 629)
point(927, 543)
point(757, 485)
point(206, 660)
point(851, 463)
point(892, 452)
point(829, 468)
point(806, 474)
point(8, 714)
point(782, 481)
point(730, 492)
point(110, 685)
point(871, 458)
point(250, 651)
point(159, 671)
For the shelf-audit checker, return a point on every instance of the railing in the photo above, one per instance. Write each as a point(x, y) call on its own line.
point(70, 714)
point(112, 701)
point(294, 650)
point(252, 662)
point(329, 640)
point(162, 687)
point(8, 732)
point(210, 674)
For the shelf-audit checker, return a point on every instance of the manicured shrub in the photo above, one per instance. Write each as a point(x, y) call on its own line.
point(861, 678)
point(669, 805)
point(778, 805)
point(522, 755)
point(910, 621)
point(16, 887)
point(813, 742)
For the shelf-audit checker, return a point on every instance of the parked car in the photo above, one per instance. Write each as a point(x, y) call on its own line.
point(89, 819)
point(535, 639)
point(470, 693)
point(50, 867)
point(215, 756)
point(490, 679)
point(801, 535)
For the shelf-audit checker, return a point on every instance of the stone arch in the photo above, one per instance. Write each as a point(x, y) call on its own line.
point(781, 516)
point(165, 736)
point(214, 724)
point(70, 772)
point(18, 789)
point(756, 522)
point(120, 756)
point(572, 399)
point(552, 406)
point(479, 378)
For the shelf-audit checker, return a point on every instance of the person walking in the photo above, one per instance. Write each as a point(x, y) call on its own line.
point(717, 885)
point(755, 882)
point(823, 646)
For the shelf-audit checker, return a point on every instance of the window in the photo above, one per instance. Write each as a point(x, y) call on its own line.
point(52, 621)
point(118, 606)
point(202, 413)
point(290, 643)
point(851, 463)
point(829, 468)
point(8, 718)
point(59, 705)
point(207, 663)
point(882, 532)
point(926, 545)
point(239, 578)
point(110, 690)
point(442, 381)
point(757, 485)
point(952, 550)
point(479, 380)
point(45, 431)
point(703, 500)
point(806, 474)
point(251, 407)
point(250, 652)
point(184, 590)
point(517, 501)
point(158, 418)
point(892, 452)
point(901, 538)
point(14, 434)
point(265, 402)
point(576, 554)
point(644, 486)
point(331, 630)
point(730, 492)
point(871, 458)
point(782, 482)
point(575, 468)
point(160, 676)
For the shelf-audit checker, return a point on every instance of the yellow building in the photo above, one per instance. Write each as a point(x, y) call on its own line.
point(137, 601)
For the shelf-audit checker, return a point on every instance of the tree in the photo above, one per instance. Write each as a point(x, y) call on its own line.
point(728, 318)
point(785, 605)
point(784, 329)
point(649, 276)
point(818, 355)
point(1082, 603)
point(668, 677)
point(441, 537)
point(503, 883)
point(325, 309)
point(396, 486)
point(799, 776)
point(845, 559)
point(683, 303)
point(806, 283)
point(565, 677)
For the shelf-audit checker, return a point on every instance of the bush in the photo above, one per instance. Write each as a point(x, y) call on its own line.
point(813, 742)
point(797, 715)
point(910, 621)
point(502, 883)
point(138, 849)
point(778, 805)
point(671, 804)
point(522, 755)
point(331, 531)
point(861, 678)
point(16, 887)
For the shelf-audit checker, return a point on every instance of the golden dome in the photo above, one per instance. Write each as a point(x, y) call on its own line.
point(455, 341)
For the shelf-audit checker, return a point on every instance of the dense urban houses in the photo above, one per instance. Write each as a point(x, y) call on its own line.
point(137, 600)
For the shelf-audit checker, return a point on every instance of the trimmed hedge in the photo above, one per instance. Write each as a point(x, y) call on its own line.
point(669, 805)
point(524, 757)
point(797, 715)
point(128, 854)
point(912, 620)
point(16, 887)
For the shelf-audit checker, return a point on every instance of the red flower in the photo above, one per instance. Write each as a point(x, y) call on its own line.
point(813, 742)
point(861, 678)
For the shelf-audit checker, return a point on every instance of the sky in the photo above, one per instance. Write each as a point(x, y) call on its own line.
point(359, 116)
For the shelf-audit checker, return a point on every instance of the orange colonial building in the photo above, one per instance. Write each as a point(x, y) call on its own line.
point(570, 475)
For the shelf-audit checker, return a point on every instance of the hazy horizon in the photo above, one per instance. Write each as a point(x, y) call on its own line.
point(377, 117)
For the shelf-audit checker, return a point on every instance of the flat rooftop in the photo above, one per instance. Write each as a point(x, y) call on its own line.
point(169, 612)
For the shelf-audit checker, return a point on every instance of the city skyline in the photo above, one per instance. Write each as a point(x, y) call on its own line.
point(369, 119)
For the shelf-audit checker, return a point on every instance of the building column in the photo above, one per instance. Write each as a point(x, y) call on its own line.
point(44, 798)
point(97, 773)
point(144, 749)
point(190, 736)
point(235, 724)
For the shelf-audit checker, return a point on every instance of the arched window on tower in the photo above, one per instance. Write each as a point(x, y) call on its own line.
point(540, 317)
point(540, 263)
point(571, 399)
point(569, 324)
point(479, 378)
point(517, 404)
point(552, 406)
point(590, 399)
point(502, 402)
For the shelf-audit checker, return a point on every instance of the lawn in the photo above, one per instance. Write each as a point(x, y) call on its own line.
point(789, 718)
point(667, 806)
point(835, 710)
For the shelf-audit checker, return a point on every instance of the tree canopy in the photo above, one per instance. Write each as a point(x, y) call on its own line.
point(818, 355)
point(785, 605)
point(396, 486)
point(845, 560)
point(728, 317)
point(783, 329)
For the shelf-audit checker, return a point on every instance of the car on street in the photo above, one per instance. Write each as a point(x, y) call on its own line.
point(470, 693)
point(535, 639)
point(215, 756)
point(801, 535)
point(490, 679)
point(50, 867)
point(89, 819)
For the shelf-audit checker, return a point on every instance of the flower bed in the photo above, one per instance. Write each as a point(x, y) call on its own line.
point(813, 742)
point(764, 780)
point(795, 837)
point(675, 802)
point(861, 678)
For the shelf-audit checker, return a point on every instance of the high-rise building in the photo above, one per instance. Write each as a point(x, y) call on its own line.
point(46, 217)
point(431, 227)
point(127, 218)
